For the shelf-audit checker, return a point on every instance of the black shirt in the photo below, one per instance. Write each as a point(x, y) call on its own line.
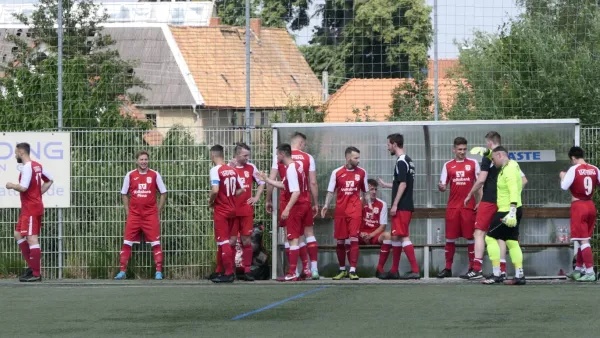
point(404, 171)
point(489, 187)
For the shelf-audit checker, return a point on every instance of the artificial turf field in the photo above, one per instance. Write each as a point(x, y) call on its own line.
point(366, 308)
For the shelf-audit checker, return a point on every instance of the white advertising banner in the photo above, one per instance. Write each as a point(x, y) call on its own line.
point(52, 151)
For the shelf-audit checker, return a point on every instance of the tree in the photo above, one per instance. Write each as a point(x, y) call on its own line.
point(274, 13)
point(411, 101)
point(371, 39)
point(95, 80)
point(543, 64)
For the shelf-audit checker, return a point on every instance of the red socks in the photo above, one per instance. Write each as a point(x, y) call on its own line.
point(158, 257)
point(353, 256)
point(219, 268)
point(409, 250)
point(471, 252)
point(396, 254)
point(450, 249)
point(586, 254)
point(303, 254)
point(227, 258)
point(503, 265)
point(124, 256)
point(35, 259)
point(384, 253)
point(340, 250)
point(294, 252)
point(312, 248)
point(24, 246)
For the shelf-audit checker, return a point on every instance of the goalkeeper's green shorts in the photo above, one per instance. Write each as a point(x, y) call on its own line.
point(499, 230)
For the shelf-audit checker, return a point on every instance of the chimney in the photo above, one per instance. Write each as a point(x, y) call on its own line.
point(215, 21)
point(255, 26)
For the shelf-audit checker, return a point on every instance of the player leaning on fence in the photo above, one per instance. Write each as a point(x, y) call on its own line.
point(505, 224)
point(581, 180)
point(139, 198)
point(34, 181)
point(402, 208)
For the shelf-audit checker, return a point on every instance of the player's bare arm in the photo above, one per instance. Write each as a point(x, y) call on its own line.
point(377, 232)
point(383, 184)
point(269, 203)
point(16, 187)
point(524, 180)
point(442, 187)
point(477, 186)
point(46, 186)
point(286, 212)
point(328, 199)
point(214, 191)
point(161, 202)
point(125, 199)
point(272, 182)
point(256, 198)
point(314, 191)
point(399, 194)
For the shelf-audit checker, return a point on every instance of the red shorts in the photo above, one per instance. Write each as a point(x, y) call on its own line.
point(148, 224)
point(29, 225)
point(400, 223)
point(297, 219)
point(242, 226)
point(485, 215)
point(223, 226)
point(372, 241)
point(346, 227)
point(460, 222)
point(282, 205)
point(583, 220)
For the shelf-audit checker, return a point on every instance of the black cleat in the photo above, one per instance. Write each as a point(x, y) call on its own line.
point(214, 275)
point(248, 277)
point(391, 275)
point(474, 275)
point(502, 274)
point(516, 281)
point(466, 275)
point(28, 273)
point(493, 280)
point(412, 275)
point(445, 273)
point(224, 279)
point(31, 279)
point(380, 275)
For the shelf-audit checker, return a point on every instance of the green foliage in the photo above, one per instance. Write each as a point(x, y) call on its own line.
point(95, 79)
point(362, 115)
point(411, 101)
point(297, 111)
point(371, 39)
point(274, 13)
point(543, 64)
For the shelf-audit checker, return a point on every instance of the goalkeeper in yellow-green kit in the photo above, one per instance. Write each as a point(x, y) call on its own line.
point(505, 225)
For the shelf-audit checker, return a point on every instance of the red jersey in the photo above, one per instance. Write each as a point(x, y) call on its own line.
point(461, 175)
point(247, 174)
point(31, 178)
point(226, 178)
point(348, 183)
point(374, 217)
point(296, 180)
point(142, 188)
point(581, 180)
point(303, 160)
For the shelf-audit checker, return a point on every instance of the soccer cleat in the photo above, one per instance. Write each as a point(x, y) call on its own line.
point(224, 279)
point(445, 273)
point(28, 272)
point(214, 275)
point(158, 275)
point(516, 281)
point(493, 280)
point(353, 275)
point(411, 275)
point(380, 275)
point(575, 275)
point(248, 277)
point(305, 274)
point(391, 275)
point(121, 275)
point(474, 275)
point(342, 274)
point(31, 279)
point(466, 275)
point(315, 274)
point(502, 274)
point(588, 277)
point(289, 278)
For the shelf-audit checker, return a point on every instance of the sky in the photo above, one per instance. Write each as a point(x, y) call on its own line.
point(456, 20)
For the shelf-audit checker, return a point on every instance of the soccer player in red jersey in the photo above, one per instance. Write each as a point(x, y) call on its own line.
point(295, 186)
point(460, 174)
point(581, 180)
point(308, 242)
point(138, 193)
point(350, 182)
point(225, 186)
point(372, 229)
point(402, 208)
point(244, 220)
point(34, 181)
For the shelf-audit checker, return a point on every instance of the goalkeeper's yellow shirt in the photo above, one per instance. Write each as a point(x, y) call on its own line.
point(509, 186)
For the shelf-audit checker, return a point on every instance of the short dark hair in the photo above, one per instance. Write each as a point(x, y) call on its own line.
point(350, 150)
point(241, 145)
point(217, 149)
point(460, 141)
point(297, 134)
point(372, 182)
point(140, 153)
point(396, 138)
point(24, 146)
point(286, 149)
point(576, 152)
point(499, 149)
point(494, 137)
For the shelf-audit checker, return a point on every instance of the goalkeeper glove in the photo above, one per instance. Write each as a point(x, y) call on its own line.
point(511, 218)
point(481, 151)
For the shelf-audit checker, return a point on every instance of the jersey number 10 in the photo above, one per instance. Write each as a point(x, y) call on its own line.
point(230, 186)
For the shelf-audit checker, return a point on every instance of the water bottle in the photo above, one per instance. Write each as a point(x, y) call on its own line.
point(438, 236)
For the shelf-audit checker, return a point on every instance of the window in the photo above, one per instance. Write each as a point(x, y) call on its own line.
point(151, 118)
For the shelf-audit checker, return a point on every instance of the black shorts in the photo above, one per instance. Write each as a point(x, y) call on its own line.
point(499, 230)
